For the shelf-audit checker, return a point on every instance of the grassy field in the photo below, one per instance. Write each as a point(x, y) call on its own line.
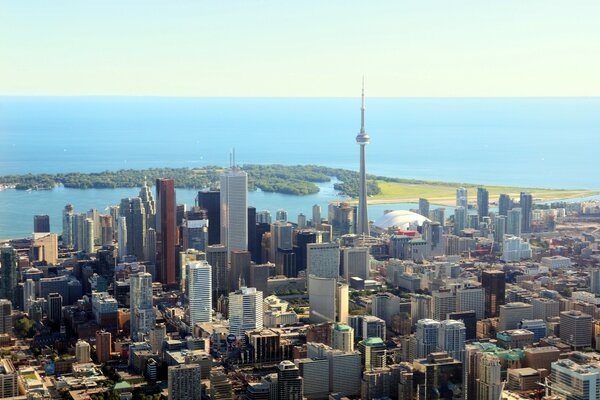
point(445, 194)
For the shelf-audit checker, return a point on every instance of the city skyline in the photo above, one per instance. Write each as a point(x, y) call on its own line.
point(407, 49)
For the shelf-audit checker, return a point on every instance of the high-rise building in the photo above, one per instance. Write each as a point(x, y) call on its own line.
point(471, 299)
point(443, 302)
point(239, 269)
point(439, 215)
point(526, 205)
point(424, 207)
point(216, 255)
point(184, 382)
point(316, 216)
point(460, 219)
point(303, 239)
point(514, 222)
point(9, 387)
point(462, 199)
point(323, 260)
point(211, 201)
point(221, 387)
point(245, 311)
point(234, 210)
point(9, 262)
point(469, 319)
point(595, 280)
point(576, 329)
point(342, 337)
point(44, 247)
point(166, 234)
point(451, 338)
point(504, 204)
point(513, 313)
point(488, 382)
point(122, 237)
point(315, 376)
point(41, 223)
point(494, 286)
point(149, 205)
point(200, 292)
point(281, 215)
point(103, 346)
point(135, 217)
point(142, 313)
point(420, 307)
point(544, 308)
point(6, 319)
point(289, 382)
point(373, 353)
point(67, 226)
point(55, 303)
point(194, 230)
point(328, 300)
point(301, 221)
point(427, 336)
point(483, 202)
point(575, 381)
point(499, 228)
point(253, 241)
point(82, 351)
point(106, 230)
point(363, 139)
point(88, 236)
point(356, 262)
point(439, 376)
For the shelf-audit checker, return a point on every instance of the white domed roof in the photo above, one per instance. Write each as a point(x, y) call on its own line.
point(401, 219)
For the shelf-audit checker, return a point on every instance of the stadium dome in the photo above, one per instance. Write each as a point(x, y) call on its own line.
point(400, 219)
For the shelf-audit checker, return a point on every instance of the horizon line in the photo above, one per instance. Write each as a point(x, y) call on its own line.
point(295, 97)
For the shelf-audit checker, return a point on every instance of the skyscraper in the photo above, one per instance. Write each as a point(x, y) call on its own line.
point(462, 199)
point(135, 216)
point(67, 226)
point(323, 260)
point(483, 202)
point(184, 382)
point(82, 351)
point(316, 216)
point(289, 382)
point(149, 205)
point(234, 210)
point(488, 381)
point(460, 219)
point(211, 201)
point(245, 311)
point(576, 328)
point(451, 338)
point(55, 303)
point(103, 346)
point(503, 204)
point(356, 262)
point(362, 139)
point(427, 336)
point(143, 318)
point(494, 285)
point(200, 292)
point(424, 207)
point(9, 262)
point(216, 255)
point(526, 205)
point(41, 223)
point(499, 228)
point(514, 222)
point(166, 234)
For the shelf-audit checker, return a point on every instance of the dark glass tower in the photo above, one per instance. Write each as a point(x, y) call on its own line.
point(211, 201)
point(494, 286)
point(166, 234)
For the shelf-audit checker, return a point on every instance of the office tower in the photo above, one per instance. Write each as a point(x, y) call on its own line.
point(234, 210)
point(316, 216)
point(122, 237)
point(315, 376)
point(211, 201)
point(443, 302)
point(536, 326)
point(94, 215)
point(462, 198)
point(451, 338)
point(281, 215)
point(194, 230)
point(281, 238)
point(106, 230)
point(28, 294)
point(494, 286)
point(142, 317)
point(6, 321)
point(150, 247)
point(44, 247)
point(135, 217)
point(184, 382)
point(156, 337)
point(149, 205)
point(55, 303)
point(373, 353)
point(9, 262)
point(439, 215)
point(576, 329)
point(180, 213)
point(526, 205)
point(483, 203)
point(240, 269)
point(88, 241)
point(264, 217)
point(41, 223)
point(488, 379)
point(166, 234)
point(355, 262)
point(439, 376)
point(499, 228)
point(342, 338)
point(303, 239)
point(512, 313)
point(514, 222)
point(259, 276)
point(594, 274)
point(362, 139)
point(103, 346)
point(469, 319)
point(245, 311)
point(253, 242)
point(82, 351)
point(504, 204)
point(471, 299)
point(545, 308)
point(424, 207)
point(301, 221)
point(575, 381)
point(472, 221)
point(420, 307)
point(342, 217)
point(200, 292)
point(8, 379)
point(328, 300)
point(67, 226)
point(216, 255)
point(78, 231)
point(323, 260)
point(285, 263)
point(426, 336)
point(221, 387)
point(460, 219)
point(289, 382)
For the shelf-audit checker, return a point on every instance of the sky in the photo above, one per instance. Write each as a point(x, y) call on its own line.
point(418, 48)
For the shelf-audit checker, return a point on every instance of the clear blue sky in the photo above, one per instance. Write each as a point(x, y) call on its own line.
point(300, 48)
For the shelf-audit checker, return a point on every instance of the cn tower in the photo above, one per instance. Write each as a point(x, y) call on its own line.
point(362, 139)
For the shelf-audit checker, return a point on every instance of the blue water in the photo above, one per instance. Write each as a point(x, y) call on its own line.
point(541, 142)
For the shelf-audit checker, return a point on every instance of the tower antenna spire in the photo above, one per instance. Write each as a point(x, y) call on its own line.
point(362, 107)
